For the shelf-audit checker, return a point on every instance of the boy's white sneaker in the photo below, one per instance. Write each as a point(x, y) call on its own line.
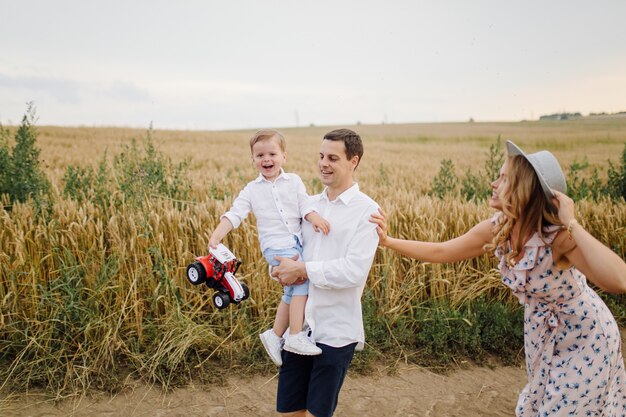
point(300, 344)
point(273, 344)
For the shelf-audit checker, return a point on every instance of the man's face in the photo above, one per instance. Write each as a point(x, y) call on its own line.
point(335, 168)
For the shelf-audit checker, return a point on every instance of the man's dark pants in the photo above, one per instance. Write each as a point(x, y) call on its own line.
point(313, 382)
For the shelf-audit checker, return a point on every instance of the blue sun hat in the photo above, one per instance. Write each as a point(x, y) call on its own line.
point(547, 169)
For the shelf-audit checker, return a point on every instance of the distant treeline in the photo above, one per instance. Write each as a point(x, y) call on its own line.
point(577, 115)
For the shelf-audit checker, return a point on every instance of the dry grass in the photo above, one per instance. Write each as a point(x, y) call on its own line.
point(90, 289)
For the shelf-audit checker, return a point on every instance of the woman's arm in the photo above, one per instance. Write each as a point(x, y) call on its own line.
point(466, 246)
point(599, 263)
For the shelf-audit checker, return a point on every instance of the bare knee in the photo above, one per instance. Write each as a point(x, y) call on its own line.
point(299, 413)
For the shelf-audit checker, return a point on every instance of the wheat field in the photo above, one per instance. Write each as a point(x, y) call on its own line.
point(90, 294)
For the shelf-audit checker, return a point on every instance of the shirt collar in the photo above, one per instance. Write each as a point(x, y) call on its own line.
point(346, 196)
point(282, 175)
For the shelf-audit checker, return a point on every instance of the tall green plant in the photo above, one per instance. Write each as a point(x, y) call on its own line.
point(5, 161)
point(82, 184)
point(616, 182)
point(137, 174)
point(142, 174)
point(446, 181)
point(478, 187)
point(78, 182)
point(494, 161)
point(22, 176)
point(580, 187)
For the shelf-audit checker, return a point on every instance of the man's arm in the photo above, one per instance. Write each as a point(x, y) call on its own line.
point(352, 269)
point(348, 271)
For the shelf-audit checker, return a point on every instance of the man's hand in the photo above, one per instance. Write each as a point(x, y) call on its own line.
point(290, 271)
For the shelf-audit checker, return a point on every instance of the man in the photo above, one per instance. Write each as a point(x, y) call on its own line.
point(337, 266)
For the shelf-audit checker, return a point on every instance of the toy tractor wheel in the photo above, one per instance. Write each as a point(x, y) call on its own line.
point(221, 300)
point(246, 292)
point(196, 274)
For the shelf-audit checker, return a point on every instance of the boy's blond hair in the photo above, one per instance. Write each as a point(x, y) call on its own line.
point(266, 134)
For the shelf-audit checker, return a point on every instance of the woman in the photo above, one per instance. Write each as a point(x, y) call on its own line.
point(571, 340)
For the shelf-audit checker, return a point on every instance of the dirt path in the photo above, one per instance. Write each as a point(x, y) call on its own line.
point(411, 392)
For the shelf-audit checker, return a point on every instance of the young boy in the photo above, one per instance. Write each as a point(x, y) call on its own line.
point(279, 203)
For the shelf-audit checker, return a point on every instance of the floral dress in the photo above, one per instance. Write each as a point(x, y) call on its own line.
point(572, 343)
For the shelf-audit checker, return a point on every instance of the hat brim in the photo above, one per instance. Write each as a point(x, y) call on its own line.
point(512, 149)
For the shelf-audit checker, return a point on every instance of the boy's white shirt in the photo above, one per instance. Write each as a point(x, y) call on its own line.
point(337, 265)
point(278, 206)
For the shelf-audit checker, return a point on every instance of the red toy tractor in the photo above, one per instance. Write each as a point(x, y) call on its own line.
point(217, 270)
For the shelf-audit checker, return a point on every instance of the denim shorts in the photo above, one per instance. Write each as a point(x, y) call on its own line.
point(289, 290)
point(313, 382)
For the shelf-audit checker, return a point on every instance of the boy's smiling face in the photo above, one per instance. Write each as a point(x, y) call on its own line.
point(268, 158)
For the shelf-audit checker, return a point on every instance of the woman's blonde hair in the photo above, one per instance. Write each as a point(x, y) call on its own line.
point(524, 202)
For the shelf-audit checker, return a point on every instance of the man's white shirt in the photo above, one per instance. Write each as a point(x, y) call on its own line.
point(337, 265)
point(278, 206)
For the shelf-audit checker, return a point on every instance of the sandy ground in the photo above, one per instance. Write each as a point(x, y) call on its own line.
point(410, 392)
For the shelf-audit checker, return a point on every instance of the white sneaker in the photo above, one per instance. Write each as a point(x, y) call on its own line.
point(300, 344)
point(273, 345)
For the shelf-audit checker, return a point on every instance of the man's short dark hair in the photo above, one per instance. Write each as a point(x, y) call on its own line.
point(351, 140)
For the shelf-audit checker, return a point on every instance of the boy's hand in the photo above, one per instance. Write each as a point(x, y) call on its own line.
point(318, 222)
point(213, 243)
point(220, 233)
point(321, 226)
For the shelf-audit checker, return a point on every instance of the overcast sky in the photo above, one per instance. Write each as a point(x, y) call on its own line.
point(251, 64)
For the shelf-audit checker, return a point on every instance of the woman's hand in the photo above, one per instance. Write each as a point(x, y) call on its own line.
point(566, 207)
point(380, 219)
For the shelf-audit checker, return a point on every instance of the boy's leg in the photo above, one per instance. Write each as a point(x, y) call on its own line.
point(282, 319)
point(296, 313)
point(272, 339)
point(299, 294)
point(297, 341)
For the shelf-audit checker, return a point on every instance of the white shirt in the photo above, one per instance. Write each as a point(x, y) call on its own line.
point(278, 206)
point(337, 265)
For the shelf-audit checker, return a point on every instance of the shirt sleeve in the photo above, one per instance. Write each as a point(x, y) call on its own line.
point(241, 207)
point(352, 269)
point(305, 203)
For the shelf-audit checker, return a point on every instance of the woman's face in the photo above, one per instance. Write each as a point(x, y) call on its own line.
point(498, 187)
